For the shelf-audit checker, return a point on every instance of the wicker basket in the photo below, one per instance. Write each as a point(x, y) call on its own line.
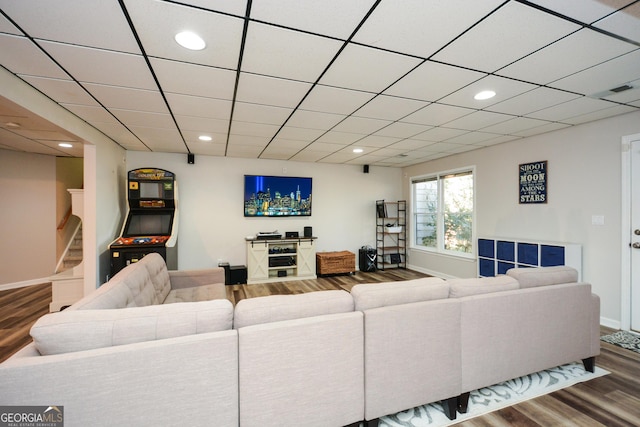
point(335, 262)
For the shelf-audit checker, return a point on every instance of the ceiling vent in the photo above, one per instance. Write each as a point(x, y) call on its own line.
point(614, 91)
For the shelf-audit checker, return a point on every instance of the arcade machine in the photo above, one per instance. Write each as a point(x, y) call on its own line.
point(152, 220)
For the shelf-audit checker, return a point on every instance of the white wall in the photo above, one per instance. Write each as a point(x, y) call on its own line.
point(212, 225)
point(584, 179)
point(27, 216)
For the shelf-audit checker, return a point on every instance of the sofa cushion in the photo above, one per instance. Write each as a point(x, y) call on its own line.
point(143, 283)
point(77, 330)
point(275, 308)
point(484, 285)
point(373, 295)
point(197, 293)
point(543, 276)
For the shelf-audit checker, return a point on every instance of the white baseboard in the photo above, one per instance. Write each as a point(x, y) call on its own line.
point(610, 323)
point(430, 272)
point(23, 284)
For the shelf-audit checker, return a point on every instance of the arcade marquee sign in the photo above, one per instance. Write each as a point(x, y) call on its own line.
point(533, 182)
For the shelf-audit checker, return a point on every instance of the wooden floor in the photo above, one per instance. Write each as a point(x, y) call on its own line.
point(612, 400)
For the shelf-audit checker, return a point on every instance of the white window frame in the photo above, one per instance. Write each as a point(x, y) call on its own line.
point(440, 215)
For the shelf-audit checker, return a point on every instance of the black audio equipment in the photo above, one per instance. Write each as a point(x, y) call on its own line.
point(365, 168)
point(308, 232)
point(367, 259)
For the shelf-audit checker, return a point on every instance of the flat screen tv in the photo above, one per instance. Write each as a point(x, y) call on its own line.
point(276, 196)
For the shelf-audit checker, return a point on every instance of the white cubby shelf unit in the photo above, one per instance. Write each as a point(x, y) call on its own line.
point(496, 255)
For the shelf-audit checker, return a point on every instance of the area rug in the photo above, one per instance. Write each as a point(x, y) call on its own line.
point(499, 396)
point(624, 339)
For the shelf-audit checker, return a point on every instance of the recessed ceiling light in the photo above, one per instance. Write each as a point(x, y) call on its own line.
point(358, 150)
point(65, 145)
point(205, 138)
point(190, 40)
point(485, 94)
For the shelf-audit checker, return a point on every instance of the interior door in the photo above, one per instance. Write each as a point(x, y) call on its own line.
point(635, 235)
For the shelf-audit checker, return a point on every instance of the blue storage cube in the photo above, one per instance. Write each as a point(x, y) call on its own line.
point(551, 255)
point(487, 267)
point(486, 248)
point(504, 266)
point(528, 253)
point(506, 251)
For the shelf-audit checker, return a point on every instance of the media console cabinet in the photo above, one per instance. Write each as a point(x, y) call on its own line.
point(277, 260)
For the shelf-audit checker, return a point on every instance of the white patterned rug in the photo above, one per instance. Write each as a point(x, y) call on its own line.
point(624, 339)
point(492, 398)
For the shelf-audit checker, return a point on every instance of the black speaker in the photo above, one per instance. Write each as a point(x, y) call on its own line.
point(308, 232)
point(367, 259)
point(191, 159)
point(365, 168)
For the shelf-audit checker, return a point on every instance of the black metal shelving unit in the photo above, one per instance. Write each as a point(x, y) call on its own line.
point(391, 234)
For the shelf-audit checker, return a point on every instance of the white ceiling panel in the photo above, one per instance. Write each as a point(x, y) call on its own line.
point(208, 148)
point(531, 101)
point(608, 75)
point(352, 69)
point(91, 114)
point(625, 23)
point(305, 135)
point(410, 144)
point(389, 108)
point(258, 142)
point(253, 129)
point(270, 91)
point(324, 147)
point(190, 79)
point(332, 99)
point(279, 52)
point(101, 66)
point(236, 149)
point(432, 81)
point(402, 130)
point(361, 125)
point(96, 23)
point(586, 11)
point(418, 27)
point(377, 141)
point(550, 127)
point(234, 7)
point(314, 119)
point(478, 120)
point(514, 125)
point(7, 27)
point(128, 99)
point(504, 89)
point(437, 114)
point(521, 31)
point(439, 134)
point(160, 139)
point(573, 108)
point(615, 110)
point(202, 125)
point(20, 56)
point(63, 91)
point(340, 138)
point(131, 118)
point(336, 18)
point(471, 138)
point(122, 135)
point(246, 112)
point(585, 48)
point(308, 155)
point(188, 105)
point(157, 23)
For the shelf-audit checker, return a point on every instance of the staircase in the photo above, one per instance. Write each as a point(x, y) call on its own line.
point(73, 256)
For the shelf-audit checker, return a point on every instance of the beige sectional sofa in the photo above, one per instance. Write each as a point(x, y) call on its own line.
point(328, 358)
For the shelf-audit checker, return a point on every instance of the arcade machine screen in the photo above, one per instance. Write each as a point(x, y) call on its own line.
point(148, 225)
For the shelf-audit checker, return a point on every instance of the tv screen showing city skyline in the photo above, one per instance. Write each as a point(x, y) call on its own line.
point(276, 196)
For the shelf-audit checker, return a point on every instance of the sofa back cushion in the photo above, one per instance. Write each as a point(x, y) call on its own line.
point(543, 276)
point(77, 330)
point(484, 285)
point(143, 283)
point(373, 295)
point(275, 308)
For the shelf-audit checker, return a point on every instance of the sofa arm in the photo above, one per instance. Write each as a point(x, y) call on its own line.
point(181, 279)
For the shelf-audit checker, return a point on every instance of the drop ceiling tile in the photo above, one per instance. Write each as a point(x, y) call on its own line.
point(344, 138)
point(600, 114)
point(515, 125)
point(522, 30)
point(602, 77)
point(339, 157)
point(361, 125)
point(377, 141)
point(158, 22)
point(234, 7)
point(202, 124)
point(7, 27)
point(91, 22)
point(335, 100)
point(217, 139)
point(270, 91)
point(42, 134)
point(352, 69)
point(533, 100)
point(389, 108)
point(626, 96)
point(498, 140)
point(299, 134)
point(279, 52)
point(335, 18)
point(163, 140)
point(418, 27)
point(128, 99)
point(314, 119)
point(472, 138)
point(308, 156)
point(388, 152)
point(191, 79)
point(440, 134)
point(244, 151)
point(259, 142)
point(504, 88)
point(542, 129)
point(586, 11)
point(121, 135)
point(286, 144)
point(20, 56)
point(197, 106)
point(410, 144)
point(207, 148)
point(253, 129)
point(246, 112)
point(90, 113)
point(138, 118)
point(12, 141)
point(101, 66)
point(63, 91)
point(625, 23)
point(324, 147)
point(402, 130)
point(585, 48)
point(572, 108)
point(432, 81)
point(437, 114)
point(478, 120)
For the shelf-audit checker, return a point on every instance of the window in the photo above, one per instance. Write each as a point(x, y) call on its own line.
point(442, 210)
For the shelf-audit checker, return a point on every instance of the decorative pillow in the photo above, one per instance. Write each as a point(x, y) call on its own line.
point(373, 295)
point(543, 276)
point(274, 308)
point(77, 330)
point(474, 286)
